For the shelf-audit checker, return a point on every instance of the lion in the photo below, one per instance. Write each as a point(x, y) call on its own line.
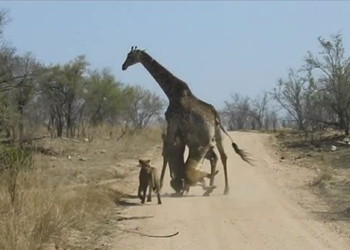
point(148, 177)
point(198, 175)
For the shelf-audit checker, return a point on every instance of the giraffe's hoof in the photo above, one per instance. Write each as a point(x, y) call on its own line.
point(208, 192)
point(176, 195)
point(176, 185)
point(209, 188)
point(227, 190)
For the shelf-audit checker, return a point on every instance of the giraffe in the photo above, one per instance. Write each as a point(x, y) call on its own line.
point(174, 88)
point(196, 119)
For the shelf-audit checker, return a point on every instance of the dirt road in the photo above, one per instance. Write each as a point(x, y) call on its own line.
point(258, 213)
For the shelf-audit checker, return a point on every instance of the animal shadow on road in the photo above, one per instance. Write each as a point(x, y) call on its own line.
point(130, 196)
point(127, 199)
point(126, 203)
point(173, 195)
point(124, 200)
point(186, 196)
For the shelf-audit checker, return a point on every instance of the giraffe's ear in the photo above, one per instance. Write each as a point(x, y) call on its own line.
point(147, 161)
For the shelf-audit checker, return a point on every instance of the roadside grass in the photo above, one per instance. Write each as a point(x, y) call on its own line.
point(68, 197)
point(332, 182)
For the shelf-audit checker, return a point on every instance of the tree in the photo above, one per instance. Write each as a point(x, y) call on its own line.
point(293, 95)
point(24, 70)
point(334, 79)
point(142, 106)
point(103, 100)
point(238, 111)
point(271, 118)
point(62, 87)
point(17, 79)
point(4, 19)
point(259, 110)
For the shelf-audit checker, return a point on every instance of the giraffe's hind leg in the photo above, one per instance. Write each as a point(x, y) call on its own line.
point(209, 189)
point(223, 156)
point(213, 158)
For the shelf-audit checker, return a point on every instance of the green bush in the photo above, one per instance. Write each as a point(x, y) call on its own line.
point(14, 160)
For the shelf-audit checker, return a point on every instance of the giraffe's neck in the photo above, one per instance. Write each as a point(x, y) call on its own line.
point(170, 84)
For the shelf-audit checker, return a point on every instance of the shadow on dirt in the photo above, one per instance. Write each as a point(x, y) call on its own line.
point(125, 199)
point(127, 203)
point(134, 218)
point(173, 195)
point(343, 215)
point(130, 196)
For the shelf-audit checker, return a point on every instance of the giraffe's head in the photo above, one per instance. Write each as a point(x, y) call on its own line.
point(132, 58)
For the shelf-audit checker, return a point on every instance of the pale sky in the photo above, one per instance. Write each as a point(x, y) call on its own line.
point(218, 48)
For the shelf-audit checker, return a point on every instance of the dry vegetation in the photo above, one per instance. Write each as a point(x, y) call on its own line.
point(69, 199)
point(332, 183)
point(70, 135)
point(63, 189)
point(315, 129)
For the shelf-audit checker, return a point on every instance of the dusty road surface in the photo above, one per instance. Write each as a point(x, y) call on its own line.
point(257, 214)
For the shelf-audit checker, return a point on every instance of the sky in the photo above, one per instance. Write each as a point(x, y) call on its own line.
point(217, 47)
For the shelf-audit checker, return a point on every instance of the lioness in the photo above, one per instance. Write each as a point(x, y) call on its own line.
point(199, 176)
point(148, 177)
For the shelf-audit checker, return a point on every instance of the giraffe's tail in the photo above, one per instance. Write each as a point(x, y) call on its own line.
point(242, 153)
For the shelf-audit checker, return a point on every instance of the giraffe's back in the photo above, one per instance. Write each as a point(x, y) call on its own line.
point(194, 118)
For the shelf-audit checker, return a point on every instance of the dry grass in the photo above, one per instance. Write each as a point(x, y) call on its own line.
point(70, 201)
point(43, 214)
point(332, 183)
point(324, 175)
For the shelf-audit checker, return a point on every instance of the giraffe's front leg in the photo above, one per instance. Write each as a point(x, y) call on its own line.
point(175, 157)
point(165, 162)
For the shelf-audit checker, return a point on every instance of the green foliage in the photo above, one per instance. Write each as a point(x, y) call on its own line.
point(14, 160)
point(318, 94)
point(141, 106)
point(333, 70)
point(68, 98)
point(103, 96)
